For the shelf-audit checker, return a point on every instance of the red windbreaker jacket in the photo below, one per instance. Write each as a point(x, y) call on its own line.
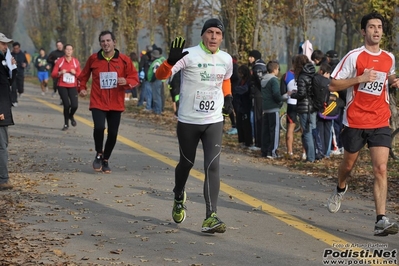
point(108, 99)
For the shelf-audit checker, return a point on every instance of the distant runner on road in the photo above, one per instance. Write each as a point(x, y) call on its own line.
point(66, 71)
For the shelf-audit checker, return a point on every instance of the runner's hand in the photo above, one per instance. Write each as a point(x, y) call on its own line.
point(228, 105)
point(82, 93)
point(369, 75)
point(176, 50)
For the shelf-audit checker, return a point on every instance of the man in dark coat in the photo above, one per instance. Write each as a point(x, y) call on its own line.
point(5, 110)
point(258, 69)
point(22, 63)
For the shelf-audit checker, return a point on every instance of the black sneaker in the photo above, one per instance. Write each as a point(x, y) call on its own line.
point(65, 128)
point(98, 162)
point(105, 168)
point(73, 122)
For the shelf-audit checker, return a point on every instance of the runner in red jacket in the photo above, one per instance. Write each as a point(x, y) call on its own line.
point(112, 73)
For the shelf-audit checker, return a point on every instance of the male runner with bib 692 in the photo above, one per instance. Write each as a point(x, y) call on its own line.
point(205, 93)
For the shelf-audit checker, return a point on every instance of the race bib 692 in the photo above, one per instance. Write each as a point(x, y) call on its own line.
point(204, 101)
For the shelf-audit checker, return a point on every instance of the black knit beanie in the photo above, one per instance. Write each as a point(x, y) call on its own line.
point(255, 54)
point(213, 22)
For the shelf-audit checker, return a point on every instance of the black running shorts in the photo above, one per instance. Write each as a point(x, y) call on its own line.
point(291, 114)
point(353, 139)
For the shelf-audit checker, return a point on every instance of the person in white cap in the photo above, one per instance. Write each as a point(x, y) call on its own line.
point(205, 93)
point(6, 119)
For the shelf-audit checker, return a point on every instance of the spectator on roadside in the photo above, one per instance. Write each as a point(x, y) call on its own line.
point(234, 82)
point(320, 85)
point(243, 102)
point(28, 57)
point(304, 71)
point(6, 119)
point(174, 83)
point(156, 84)
point(318, 57)
point(272, 101)
point(146, 93)
point(133, 92)
point(164, 83)
point(332, 59)
point(288, 85)
point(258, 67)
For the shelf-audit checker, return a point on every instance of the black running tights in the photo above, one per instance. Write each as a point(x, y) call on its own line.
point(189, 136)
point(113, 120)
point(69, 97)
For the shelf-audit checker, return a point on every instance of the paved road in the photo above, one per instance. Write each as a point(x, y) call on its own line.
point(273, 216)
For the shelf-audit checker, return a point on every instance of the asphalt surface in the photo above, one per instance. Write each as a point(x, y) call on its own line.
point(273, 216)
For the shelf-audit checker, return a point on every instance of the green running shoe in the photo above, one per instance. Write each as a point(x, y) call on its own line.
point(179, 209)
point(213, 225)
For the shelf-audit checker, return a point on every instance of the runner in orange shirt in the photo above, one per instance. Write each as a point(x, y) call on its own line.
point(366, 73)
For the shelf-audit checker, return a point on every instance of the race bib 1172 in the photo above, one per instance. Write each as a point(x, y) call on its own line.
point(108, 80)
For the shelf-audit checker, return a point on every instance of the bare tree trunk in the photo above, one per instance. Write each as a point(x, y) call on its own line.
point(41, 28)
point(339, 24)
point(255, 39)
point(290, 44)
point(8, 14)
point(393, 101)
point(64, 19)
point(349, 33)
point(131, 25)
point(229, 18)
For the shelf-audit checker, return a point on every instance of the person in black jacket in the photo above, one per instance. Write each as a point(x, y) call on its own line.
point(304, 71)
point(174, 89)
point(5, 110)
point(243, 105)
point(258, 70)
point(333, 61)
point(146, 93)
point(332, 58)
point(234, 83)
point(22, 63)
point(51, 59)
point(321, 81)
point(318, 57)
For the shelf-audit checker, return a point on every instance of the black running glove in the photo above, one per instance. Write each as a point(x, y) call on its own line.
point(228, 105)
point(176, 50)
